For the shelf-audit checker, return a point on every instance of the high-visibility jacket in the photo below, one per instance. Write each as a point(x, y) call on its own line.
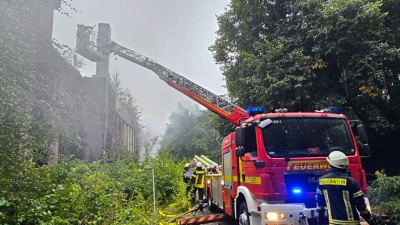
point(342, 197)
point(198, 178)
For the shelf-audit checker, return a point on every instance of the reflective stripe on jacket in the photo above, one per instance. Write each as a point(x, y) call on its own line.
point(342, 197)
point(198, 176)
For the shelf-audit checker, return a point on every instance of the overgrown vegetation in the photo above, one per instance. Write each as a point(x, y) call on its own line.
point(126, 97)
point(98, 193)
point(384, 196)
point(38, 109)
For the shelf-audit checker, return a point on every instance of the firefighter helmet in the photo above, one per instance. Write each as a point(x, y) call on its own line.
point(212, 167)
point(338, 159)
point(187, 165)
point(199, 165)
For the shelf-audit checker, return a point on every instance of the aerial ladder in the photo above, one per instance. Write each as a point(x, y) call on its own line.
point(89, 46)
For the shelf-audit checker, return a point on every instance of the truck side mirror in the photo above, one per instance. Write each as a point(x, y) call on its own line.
point(240, 152)
point(365, 150)
point(354, 129)
point(362, 134)
point(240, 136)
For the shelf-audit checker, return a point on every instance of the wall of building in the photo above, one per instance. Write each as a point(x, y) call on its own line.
point(102, 129)
point(114, 124)
point(128, 128)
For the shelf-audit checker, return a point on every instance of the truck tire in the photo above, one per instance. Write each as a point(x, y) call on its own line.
point(243, 214)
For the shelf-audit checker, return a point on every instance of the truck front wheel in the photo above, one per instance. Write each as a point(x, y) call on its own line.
point(243, 215)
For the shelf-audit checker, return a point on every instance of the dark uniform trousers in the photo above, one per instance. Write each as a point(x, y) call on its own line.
point(342, 197)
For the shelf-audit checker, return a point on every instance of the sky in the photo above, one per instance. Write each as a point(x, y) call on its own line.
point(175, 33)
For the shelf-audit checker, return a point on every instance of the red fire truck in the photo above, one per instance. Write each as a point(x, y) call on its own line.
point(273, 159)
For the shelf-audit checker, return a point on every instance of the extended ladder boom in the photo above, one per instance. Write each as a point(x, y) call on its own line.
point(98, 48)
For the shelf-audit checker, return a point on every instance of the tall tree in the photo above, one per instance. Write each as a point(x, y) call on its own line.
point(309, 54)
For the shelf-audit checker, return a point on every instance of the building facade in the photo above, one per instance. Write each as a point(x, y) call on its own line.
point(114, 124)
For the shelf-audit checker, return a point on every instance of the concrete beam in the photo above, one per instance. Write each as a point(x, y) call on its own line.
point(102, 67)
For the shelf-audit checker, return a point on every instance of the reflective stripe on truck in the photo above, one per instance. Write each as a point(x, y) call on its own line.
point(204, 219)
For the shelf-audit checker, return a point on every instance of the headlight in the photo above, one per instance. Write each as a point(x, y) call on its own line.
point(222, 183)
point(274, 216)
point(208, 181)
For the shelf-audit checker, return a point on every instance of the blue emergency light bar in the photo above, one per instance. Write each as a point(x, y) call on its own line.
point(255, 110)
point(296, 191)
point(336, 110)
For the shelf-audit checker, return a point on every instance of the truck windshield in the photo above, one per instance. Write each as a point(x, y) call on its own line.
point(297, 137)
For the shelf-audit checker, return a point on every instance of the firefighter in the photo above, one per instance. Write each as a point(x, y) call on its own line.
point(213, 170)
point(198, 184)
point(186, 179)
point(194, 162)
point(341, 195)
point(186, 168)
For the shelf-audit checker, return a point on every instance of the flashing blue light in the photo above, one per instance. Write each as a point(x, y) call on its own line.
point(255, 110)
point(336, 110)
point(296, 191)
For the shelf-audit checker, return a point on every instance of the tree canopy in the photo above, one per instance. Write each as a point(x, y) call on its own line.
point(188, 133)
point(311, 54)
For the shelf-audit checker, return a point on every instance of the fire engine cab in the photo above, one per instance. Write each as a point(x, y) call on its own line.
point(273, 160)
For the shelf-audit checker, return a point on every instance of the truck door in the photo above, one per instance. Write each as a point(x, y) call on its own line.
point(228, 175)
point(228, 178)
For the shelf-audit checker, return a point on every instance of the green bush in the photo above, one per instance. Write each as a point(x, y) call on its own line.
point(384, 195)
point(98, 193)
